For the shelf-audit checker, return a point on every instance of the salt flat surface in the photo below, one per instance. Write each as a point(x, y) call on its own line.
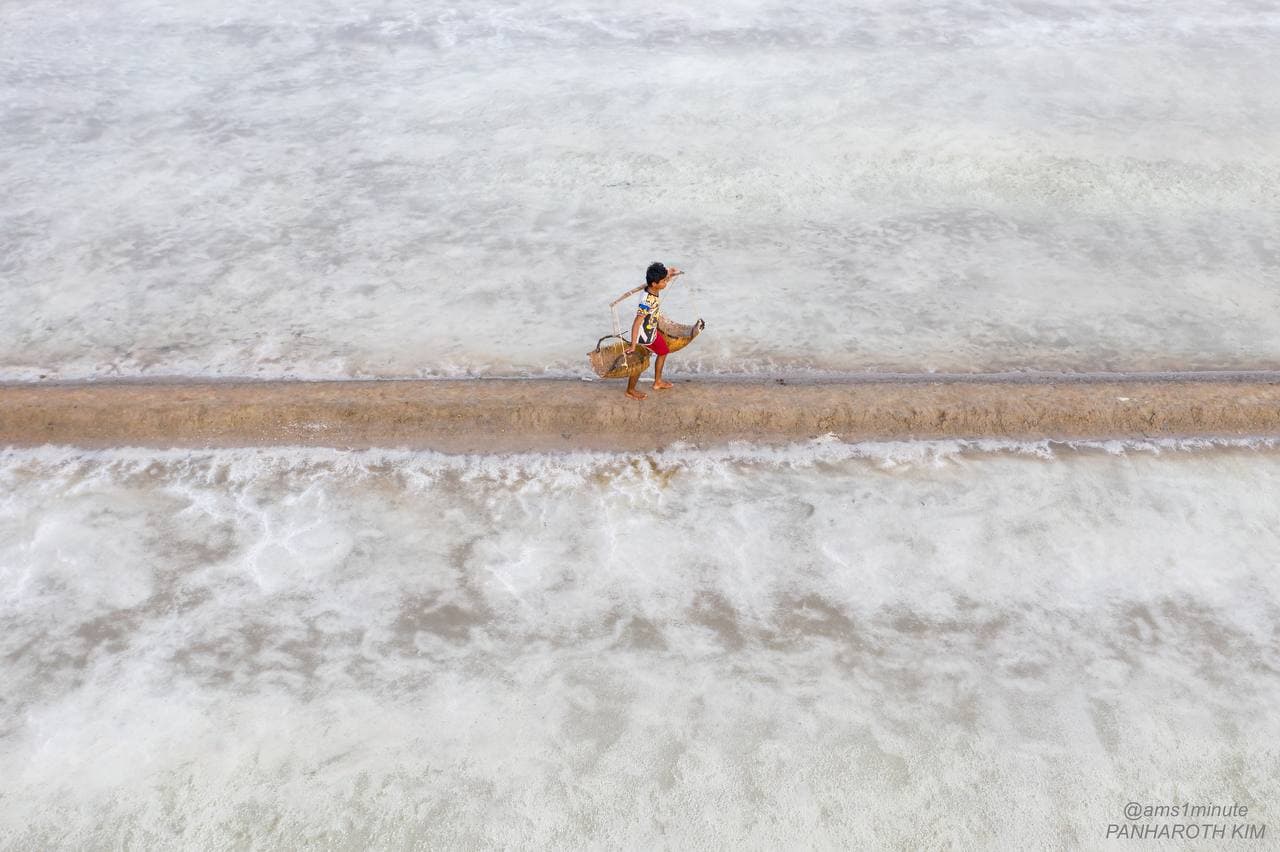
point(892, 646)
point(412, 189)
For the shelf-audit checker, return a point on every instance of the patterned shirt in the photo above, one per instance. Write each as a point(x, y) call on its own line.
point(648, 309)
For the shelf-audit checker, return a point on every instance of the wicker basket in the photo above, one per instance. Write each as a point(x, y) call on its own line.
point(613, 362)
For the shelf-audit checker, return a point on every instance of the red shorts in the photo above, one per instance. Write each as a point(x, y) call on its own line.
point(659, 344)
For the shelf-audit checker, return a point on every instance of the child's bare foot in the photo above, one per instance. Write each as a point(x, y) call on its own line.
point(662, 385)
point(635, 394)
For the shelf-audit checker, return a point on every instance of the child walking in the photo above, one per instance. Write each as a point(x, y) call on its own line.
point(644, 330)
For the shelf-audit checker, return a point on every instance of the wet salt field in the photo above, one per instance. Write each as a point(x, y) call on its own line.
point(405, 189)
point(903, 646)
point(888, 646)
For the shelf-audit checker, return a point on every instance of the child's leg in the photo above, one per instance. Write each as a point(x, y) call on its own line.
point(631, 382)
point(660, 349)
point(658, 383)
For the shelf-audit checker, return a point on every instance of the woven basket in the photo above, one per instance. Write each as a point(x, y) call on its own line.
point(613, 362)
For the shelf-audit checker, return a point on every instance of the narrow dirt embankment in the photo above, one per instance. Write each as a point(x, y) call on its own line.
point(538, 415)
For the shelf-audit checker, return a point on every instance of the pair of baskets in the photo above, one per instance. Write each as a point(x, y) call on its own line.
point(611, 361)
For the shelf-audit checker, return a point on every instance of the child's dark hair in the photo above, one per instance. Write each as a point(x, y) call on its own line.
point(655, 273)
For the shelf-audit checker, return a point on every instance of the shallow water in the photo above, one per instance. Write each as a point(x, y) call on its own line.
point(321, 190)
point(871, 646)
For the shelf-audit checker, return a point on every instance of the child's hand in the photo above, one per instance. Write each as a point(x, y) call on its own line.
point(630, 349)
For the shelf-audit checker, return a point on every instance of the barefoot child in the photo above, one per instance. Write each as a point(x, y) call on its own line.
point(644, 330)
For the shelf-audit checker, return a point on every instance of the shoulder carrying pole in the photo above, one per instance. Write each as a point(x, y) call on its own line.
point(613, 308)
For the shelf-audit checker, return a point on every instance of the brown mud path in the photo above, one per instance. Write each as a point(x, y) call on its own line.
point(500, 415)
